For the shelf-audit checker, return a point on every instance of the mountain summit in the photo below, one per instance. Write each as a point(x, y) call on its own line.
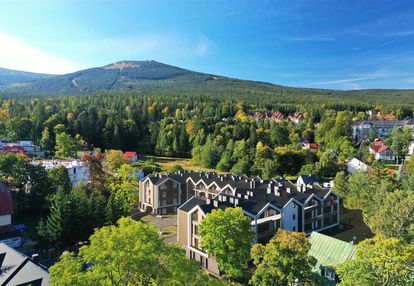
point(123, 75)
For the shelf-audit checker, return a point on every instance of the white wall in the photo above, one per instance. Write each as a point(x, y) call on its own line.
point(288, 223)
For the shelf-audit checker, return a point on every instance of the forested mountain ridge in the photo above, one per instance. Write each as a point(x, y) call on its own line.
point(162, 78)
point(8, 76)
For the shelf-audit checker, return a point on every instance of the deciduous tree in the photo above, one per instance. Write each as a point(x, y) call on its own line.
point(227, 235)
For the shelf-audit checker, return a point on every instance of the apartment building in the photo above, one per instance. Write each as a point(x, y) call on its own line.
point(378, 128)
point(162, 194)
point(78, 171)
point(271, 204)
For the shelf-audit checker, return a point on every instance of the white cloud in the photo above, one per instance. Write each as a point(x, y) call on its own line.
point(19, 55)
point(369, 76)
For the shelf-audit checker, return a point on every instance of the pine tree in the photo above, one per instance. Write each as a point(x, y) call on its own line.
point(113, 210)
point(52, 229)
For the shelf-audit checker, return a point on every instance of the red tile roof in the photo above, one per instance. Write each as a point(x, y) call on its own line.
point(383, 148)
point(130, 154)
point(13, 149)
point(313, 146)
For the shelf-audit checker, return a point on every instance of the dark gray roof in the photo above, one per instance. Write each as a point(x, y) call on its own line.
point(253, 194)
point(308, 179)
point(191, 203)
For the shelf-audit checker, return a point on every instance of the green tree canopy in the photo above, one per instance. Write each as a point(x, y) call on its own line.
point(283, 261)
point(379, 261)
point(227, 235)
point(130, 253)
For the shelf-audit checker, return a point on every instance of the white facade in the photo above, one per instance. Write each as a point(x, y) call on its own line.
point(354, 165)
point(77, 170)
point(411, 149)
point(290, 217)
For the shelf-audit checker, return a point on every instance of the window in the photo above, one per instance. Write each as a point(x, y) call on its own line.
point(164, 194)
point(294, 228)
point(294, 217)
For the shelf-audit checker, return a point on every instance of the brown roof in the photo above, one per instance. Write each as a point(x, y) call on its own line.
point(6, 201)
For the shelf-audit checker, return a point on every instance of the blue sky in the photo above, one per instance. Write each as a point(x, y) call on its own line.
point(342, 44)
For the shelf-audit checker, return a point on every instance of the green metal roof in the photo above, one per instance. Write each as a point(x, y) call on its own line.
point(330, 251)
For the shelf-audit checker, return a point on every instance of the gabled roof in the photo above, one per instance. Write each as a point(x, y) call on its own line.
point(330, 251)
point(308, 179)
point(191, 203)
point(382, 149)
point(19, 269)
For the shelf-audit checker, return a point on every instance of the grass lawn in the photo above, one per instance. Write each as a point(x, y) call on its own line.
point(359, 229)
point(167, 162)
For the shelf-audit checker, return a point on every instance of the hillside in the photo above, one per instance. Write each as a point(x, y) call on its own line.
point(158, 77)
point(8, 77)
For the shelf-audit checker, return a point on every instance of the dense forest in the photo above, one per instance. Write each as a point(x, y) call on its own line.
point(216, 130)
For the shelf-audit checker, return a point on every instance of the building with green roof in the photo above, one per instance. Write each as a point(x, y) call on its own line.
point(329, 252)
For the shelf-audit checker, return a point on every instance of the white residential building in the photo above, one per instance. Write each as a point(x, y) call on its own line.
point(77, 170)
point(355, 165)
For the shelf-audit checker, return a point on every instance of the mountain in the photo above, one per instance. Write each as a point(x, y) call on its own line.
point(159, 77)
point(8, 76)
point(125, 75)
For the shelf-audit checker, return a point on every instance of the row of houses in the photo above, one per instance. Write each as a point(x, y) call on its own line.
point(304, 206)
point(370, 129)
point(278, 117)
